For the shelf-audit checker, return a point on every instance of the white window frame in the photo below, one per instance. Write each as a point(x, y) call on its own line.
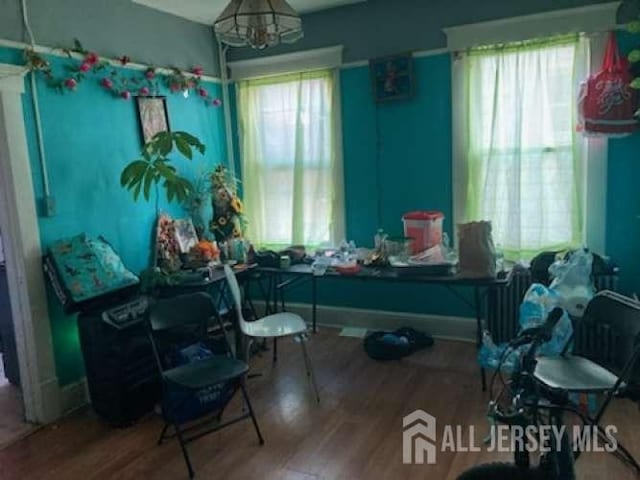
point(594, 18)
point(21, 238)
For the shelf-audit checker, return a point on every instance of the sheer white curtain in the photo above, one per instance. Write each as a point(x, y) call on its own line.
point(292, 158)
point(523, 156)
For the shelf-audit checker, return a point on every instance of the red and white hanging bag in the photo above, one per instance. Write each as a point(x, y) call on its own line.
point(607, 103)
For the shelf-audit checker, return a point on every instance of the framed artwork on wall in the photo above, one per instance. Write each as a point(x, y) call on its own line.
point(392, 77)
point(153, 116)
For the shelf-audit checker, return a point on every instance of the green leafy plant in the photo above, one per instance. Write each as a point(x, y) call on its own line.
point(155, 168)
point(153, 279)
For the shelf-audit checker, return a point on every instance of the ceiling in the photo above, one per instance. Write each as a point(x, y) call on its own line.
point(206, 11)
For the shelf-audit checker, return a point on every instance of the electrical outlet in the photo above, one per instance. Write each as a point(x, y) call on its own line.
point(49, 206)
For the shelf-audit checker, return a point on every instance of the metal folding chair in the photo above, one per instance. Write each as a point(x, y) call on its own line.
point(608, 371)
point(182, 322)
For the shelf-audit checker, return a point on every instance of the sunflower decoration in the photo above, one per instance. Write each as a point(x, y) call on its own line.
point(228, 220)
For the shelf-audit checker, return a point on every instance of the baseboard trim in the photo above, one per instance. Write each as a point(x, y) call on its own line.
point(440, 326)
point(74, 396)
point(50, 394)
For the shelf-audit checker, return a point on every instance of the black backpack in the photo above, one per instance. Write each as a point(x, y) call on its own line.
point(397, 344)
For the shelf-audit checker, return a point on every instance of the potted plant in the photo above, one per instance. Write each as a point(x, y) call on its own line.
point(155, 168)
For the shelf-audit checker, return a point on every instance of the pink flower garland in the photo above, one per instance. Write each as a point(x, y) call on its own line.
point(145, 84)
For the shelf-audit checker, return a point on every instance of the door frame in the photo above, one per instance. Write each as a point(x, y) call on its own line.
point(23, 255)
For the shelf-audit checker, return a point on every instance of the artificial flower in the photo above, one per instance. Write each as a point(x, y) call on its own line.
point(107, 83)
point(144, 91)
point(203, 92)
point(150, 74)
point(216, 102)
point(84, 67)
point(197, 71)
point(236, 204)
point(174, 87)
point(126, 95)
point(91, 58)
point(71, 83)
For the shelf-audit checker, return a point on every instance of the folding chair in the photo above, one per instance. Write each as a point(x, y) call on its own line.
point(195, 392)
point(610, 370)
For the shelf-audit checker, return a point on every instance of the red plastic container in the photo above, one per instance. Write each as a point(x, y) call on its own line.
point(425, 227)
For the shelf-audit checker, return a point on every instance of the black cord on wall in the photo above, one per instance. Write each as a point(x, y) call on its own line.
point(378, 168)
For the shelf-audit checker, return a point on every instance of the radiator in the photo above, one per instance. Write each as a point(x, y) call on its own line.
point(596, 342)
point(504, 304)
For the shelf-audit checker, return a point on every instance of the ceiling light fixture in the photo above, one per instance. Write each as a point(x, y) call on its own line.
point(258, 24)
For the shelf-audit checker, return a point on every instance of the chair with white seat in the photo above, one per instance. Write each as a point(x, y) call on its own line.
point(277, 325)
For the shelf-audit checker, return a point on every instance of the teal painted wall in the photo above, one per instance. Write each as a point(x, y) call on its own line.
point(397, 156)
point(89, 136)
point(623, 198)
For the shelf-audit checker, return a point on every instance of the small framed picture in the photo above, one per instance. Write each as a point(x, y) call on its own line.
point(392, 77)
point(152, 112)
point(185, 234)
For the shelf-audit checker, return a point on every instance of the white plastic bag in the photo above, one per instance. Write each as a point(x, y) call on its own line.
point(534, 309)
point(572, 281)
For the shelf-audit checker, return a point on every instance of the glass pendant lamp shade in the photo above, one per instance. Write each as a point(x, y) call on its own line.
point(258, 23)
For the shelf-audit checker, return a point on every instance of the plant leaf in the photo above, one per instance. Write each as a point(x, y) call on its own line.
point(136, 192)
point(164, 170)
point(164, 143)
point(132, 170)
point(184, 148)
point(635, 83)
point(191, 140)
point(148, 179)
point(634, 56)
point(170, 191)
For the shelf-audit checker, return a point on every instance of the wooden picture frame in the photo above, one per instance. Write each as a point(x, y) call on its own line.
point(392, 77)
point(153, 116)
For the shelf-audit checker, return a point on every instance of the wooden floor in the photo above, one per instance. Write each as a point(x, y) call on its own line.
point(12, 424)
point(354, 433)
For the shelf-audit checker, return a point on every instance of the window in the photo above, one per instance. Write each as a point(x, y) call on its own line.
point(291, 158)
point(522, 157)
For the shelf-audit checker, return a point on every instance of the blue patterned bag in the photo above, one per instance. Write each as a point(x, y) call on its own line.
point(86, 268)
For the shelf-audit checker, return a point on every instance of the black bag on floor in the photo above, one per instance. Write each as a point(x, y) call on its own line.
point(397, 344)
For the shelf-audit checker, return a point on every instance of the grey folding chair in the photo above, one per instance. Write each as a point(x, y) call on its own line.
point(609, 371)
